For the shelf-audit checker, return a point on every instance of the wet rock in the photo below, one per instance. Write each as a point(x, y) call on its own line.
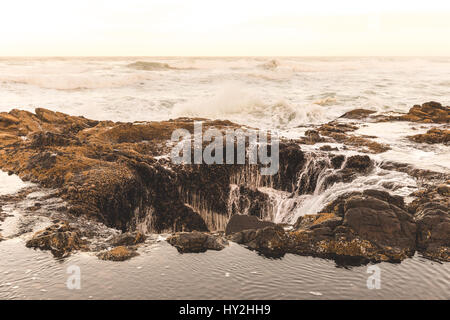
point(269, 241)
point(239, 222)
point(432, 136)
point(353, 167)
point(196, 242)
point(339, 132)
point(431, 211)
point(328, 148)
point(128, 239)
point(60, 239)
point(359, 163)
point(429, 112)
point(312, 137)
point(357, 114)
point(120, 253)
point(248, 201)
point(358, 227)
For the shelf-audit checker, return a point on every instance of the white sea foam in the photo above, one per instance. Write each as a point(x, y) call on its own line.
point(10, 184)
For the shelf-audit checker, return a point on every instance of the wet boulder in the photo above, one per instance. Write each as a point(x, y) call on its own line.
point(61, 239)
point(432, 214)
point(429, 112)
point(432, 136)
point(269, 241)
point(196, 242)
point(120, 253)
point(363, 227)
point(128, 239)
point(357, 114)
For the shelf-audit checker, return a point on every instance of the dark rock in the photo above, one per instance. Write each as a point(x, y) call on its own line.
point(128, 239)
point(239, 222)
point(369, 226)
point(429, 112)
point(359, 163)
point(357, 114)
point(269, 241)
point(431, 211)
point(196, 242)
point(119, 253)
point(60, 239)
point(432, 136)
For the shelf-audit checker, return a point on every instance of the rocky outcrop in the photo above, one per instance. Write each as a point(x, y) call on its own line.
point(60, 239)
point(429, 112)
point(120, 253)
point(196, 242)
point(432, 136)
point(431, 211)
point(367, 226)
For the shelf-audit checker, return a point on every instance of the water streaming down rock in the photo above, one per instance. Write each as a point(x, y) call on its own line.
point(321, 180)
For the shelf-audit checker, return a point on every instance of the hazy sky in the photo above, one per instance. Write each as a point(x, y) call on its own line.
point(223, 28)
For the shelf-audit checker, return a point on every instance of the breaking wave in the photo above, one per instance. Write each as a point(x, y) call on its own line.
point(235, 103)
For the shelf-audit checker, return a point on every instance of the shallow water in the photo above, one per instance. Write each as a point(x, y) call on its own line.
point(160, 272)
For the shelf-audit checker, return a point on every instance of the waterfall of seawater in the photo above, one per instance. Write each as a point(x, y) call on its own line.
point(312, 192)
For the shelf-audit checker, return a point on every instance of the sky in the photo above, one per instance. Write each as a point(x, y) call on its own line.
point(224, 28)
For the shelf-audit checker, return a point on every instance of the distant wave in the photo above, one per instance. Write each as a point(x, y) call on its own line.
point(270, 65)
point(150, 66)
point(235, 103)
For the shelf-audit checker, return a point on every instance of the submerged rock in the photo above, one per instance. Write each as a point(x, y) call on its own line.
point(60, 239)
point(196, 242)
point(120, 253)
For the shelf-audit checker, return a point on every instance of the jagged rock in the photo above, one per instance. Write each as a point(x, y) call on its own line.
point(196, 242)
point(368, 226)
point(270, 241)
point(432, 136)
point(128, 239)
point(357, 114)
point(60, 239)
point(239, 222)
point(120, 253)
